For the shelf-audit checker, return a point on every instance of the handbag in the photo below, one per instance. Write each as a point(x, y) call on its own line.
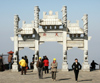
point(26, 67)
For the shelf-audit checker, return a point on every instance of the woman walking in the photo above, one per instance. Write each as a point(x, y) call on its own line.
point(76, 66)
point(54, 69)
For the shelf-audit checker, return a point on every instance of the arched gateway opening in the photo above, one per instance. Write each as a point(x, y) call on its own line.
point(74, 53)
point(26, 52)
point(52, 50)
point(53, 29)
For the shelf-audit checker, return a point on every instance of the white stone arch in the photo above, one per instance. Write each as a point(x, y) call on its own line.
point(59, 35)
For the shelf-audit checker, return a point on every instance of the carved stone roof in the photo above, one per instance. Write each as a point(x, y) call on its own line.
point(73, 28)
point(50, 19)
point(27, 28)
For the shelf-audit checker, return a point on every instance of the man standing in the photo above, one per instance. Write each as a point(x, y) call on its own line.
point(10, 58)
point(40, 68)
point(54, 69)
point(23, 64)
point(76, 66)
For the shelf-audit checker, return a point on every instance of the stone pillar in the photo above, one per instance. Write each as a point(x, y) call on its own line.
point(15, 57)
point(85, 66)
point(36, 25)
point(64, 21)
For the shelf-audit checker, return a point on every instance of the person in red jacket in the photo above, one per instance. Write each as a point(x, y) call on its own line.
point(46, 64)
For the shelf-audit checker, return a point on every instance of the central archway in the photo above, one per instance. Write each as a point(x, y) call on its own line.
point(52, 50)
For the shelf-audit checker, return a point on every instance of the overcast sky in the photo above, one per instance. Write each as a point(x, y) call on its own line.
point(75, 9)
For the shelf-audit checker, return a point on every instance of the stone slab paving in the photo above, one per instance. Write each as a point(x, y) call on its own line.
point(62, 77)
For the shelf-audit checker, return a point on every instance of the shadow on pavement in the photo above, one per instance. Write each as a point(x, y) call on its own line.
point(94, 69)
point(30, 73)
point(85, 80)
point(64, 79)
point(46, 77)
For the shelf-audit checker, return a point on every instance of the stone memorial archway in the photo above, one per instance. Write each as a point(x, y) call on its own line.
point(32, 36)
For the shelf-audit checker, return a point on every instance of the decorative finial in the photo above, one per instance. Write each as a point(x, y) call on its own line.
point(50, 12)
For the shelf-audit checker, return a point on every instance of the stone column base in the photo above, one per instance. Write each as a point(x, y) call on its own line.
point(85, 66)
point(14, 68)
point(64, 66)
point(35, 68)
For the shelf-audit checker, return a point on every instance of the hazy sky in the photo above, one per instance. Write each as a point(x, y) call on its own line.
point(75, 9)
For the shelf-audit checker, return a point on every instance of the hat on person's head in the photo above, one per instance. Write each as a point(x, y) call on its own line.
point(54, 59)
point(39, 57)
point(10, 52)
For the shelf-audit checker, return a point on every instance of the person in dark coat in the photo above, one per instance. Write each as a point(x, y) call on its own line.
point(93, 65)
point(33, 59)
point(26, 62)
point(43, 58)
point(1, 64)
point(40, 68)
point(32, 63)
point(76, 66)
point(26, 59)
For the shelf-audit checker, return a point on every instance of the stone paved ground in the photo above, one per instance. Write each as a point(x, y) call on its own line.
point(62, 77)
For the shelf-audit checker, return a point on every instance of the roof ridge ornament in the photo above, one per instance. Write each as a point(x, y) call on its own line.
point(50, 12)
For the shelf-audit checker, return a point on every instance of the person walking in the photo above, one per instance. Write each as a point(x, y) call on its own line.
point(23, 64)
point(40, 68)
point(54, 65)
point(76, 66)
point(46, 64)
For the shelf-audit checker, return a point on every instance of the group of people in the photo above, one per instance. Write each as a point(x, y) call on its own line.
point(2, 67)
point(24, 64)
point(44, 63)
point(41, 64)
